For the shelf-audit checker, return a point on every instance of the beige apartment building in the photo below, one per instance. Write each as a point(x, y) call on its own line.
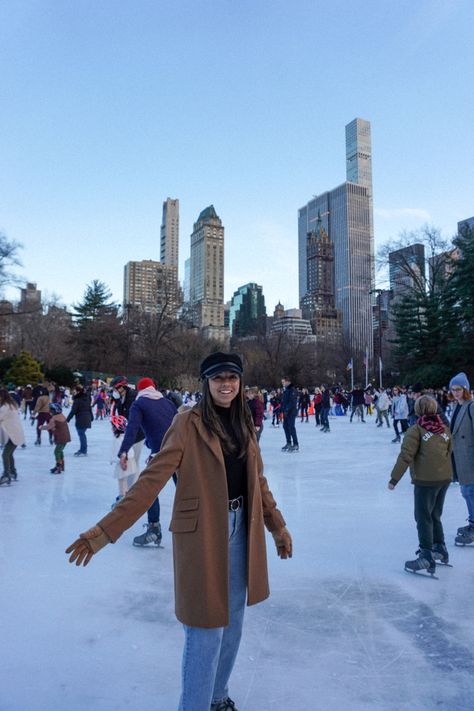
point(151, 287)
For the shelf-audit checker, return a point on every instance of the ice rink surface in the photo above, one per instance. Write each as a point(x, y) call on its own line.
point(345, 627)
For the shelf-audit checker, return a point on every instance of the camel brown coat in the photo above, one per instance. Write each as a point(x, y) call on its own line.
point(200, 519)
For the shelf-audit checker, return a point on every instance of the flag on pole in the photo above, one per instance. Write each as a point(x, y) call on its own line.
point(349, 365)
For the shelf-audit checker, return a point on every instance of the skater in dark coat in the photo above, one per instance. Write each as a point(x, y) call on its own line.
point(81, 409)
point(289, 408)
point(426, 449)
point(462, 426)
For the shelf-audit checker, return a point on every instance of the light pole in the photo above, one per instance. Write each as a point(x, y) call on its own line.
point(379, 318)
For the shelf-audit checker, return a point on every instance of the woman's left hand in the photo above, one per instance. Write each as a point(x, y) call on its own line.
point(283, 542)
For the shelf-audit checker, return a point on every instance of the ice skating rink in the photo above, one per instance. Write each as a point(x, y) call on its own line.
point(345, 626)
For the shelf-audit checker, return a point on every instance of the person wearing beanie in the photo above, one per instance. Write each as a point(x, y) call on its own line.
point(123, 398)
point(462, 427)
point(221, 509)
point(150, 414)
point(426, 449)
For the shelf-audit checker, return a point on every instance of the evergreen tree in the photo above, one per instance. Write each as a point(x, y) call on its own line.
point(24, 370)
point(423, 312)
point(461, 285)
point(95, 303)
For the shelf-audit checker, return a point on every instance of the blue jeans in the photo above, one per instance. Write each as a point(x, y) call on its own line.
point(467, 490)
point(81, 431)
point(209, 653)
point(325, 416)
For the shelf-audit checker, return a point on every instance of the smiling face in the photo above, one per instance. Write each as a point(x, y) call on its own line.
point(224, 387)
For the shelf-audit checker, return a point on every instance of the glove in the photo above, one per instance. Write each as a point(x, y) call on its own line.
point(86, 545)
point(283, 542)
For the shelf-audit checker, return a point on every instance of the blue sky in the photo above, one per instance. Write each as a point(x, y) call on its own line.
point(110, 106)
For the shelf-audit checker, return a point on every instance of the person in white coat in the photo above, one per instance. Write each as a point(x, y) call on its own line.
point(11, 435)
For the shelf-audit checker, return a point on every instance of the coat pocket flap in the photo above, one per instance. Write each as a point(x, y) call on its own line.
point(187, 504)
point(183, 525)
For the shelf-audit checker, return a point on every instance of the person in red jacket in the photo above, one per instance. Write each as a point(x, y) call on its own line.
point(257, 408)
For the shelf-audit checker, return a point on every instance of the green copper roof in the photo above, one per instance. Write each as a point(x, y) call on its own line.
point(208, 213)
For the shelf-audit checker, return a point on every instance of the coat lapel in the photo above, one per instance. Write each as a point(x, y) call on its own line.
point(212, 442)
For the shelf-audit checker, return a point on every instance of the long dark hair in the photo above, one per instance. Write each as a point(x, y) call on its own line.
point(240, 418)
point(6, 399)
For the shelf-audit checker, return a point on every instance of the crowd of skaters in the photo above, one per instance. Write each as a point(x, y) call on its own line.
point(436, 426)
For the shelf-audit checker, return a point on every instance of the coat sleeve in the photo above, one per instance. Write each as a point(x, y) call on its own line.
point(272, 517)
point(134, 424)
point(410, 447)
point(150, 482)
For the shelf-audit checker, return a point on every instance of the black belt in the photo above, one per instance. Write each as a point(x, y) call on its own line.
point(236, 504)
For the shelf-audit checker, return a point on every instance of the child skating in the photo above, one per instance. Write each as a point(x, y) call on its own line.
point(126, 478)
point(58, 428)
point(426, 449)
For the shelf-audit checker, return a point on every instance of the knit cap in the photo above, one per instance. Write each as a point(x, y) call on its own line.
point(461, 381)
point(145, 383)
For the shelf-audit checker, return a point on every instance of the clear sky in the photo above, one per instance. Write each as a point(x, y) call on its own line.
point(110, 106)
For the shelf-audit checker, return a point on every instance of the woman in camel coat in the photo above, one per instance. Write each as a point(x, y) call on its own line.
point(221, 507)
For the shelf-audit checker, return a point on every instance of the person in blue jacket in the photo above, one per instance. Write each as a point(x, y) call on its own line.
point(152, 413)
point(289, 409)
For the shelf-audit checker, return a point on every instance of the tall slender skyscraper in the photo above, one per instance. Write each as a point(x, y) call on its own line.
point(207, 272)
point(345, 214)
point(169, 240)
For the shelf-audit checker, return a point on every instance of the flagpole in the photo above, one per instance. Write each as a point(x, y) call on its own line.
point(366, 367)
point(380, 371)
point(352, 374)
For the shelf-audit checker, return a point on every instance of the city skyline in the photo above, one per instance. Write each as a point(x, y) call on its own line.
point(111, 109)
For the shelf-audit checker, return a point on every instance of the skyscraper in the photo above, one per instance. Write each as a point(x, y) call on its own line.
point(151, 287)
point(207, 273)
point(345, 213)
point(169, 239)
point(406, 267)
point(247, 314)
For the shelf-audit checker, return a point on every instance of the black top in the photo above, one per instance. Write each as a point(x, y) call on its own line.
point(454, 417)
point(235, 468)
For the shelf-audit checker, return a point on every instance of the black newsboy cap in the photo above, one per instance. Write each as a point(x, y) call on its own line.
point(219, 362)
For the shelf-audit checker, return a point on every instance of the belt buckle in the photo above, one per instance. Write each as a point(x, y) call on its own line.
point(234, 504)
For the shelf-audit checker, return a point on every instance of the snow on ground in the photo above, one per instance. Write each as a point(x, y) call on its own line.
point(345, 626)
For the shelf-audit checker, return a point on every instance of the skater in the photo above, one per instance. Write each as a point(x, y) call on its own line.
point(41, 415)
point(81, 409)
point(462, 427)
point(289, 410)
point(325, 408)
point(304, 401)
point(126, 477)
point(150, 413)
point(275, 402)
point(11, 435)
point(27, 401)
point(382, 406)
point(317, 406)
point(123, 397)
point(257, 409)
point(221, 506)
point(357, 403)
point(426, 449)
point(59, 430)
point(399, 412)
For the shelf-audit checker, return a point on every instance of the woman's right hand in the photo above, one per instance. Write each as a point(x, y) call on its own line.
point(86, 545)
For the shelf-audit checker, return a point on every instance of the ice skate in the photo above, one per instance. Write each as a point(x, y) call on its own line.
point(441, 555)
point(151, 535)
point(286, 447)
point(5, 479)
point(424, 562)
point(466, 529)
point(293, 448)
point(397, 439)
point(465, 538)
point(226, 705)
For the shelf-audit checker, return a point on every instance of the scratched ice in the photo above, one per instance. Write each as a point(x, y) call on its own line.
point(345, 626)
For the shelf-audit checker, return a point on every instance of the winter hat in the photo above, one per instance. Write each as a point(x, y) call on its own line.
point(56, 408)
point(220, 362)
point(460, 380)
point(145, 383)
point(119, 381)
